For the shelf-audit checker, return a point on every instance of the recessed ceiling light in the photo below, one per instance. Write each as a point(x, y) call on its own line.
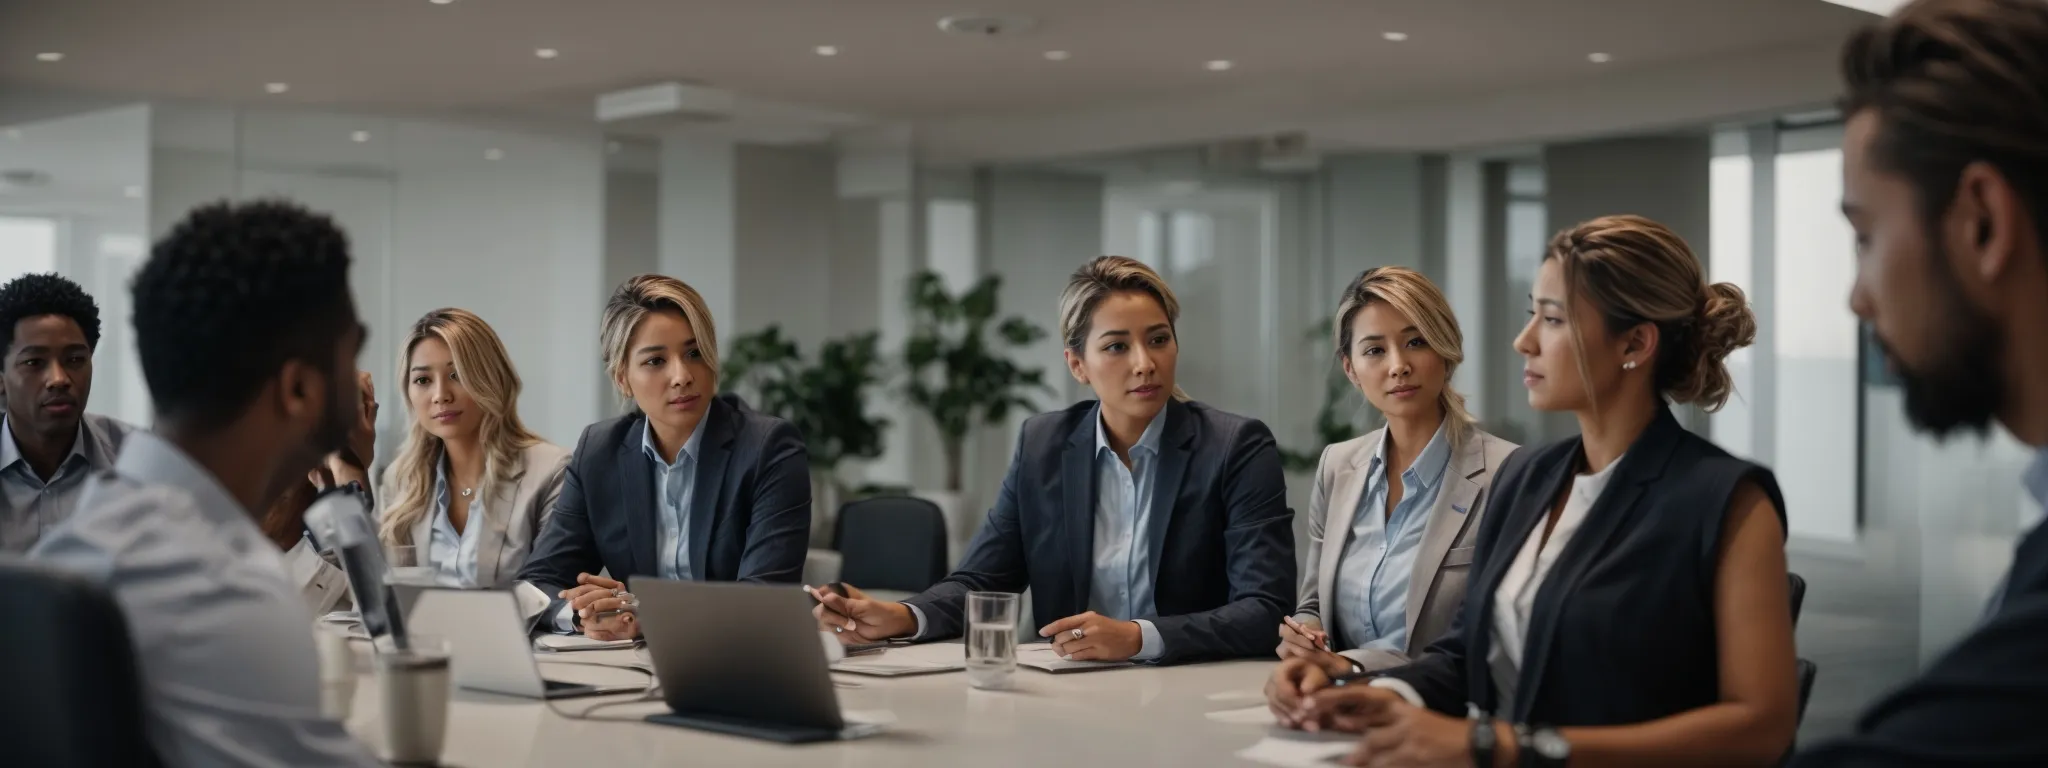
point(359, 136)
point(276, 87)
point(1219, 65)
point(50, 56)
point(1057, 55)
point(441, 2)
point(494, 153)
point(828, 50)
point(132, 190)
point(1599, 58)
point(546, 53)
point(1394, 37)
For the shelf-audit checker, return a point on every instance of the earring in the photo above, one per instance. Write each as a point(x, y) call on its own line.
point(1629, 366)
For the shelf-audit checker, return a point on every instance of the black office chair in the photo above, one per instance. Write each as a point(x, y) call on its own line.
point(1807, 672)
point(891, 542)
point(73, 691)
point(1798, 596)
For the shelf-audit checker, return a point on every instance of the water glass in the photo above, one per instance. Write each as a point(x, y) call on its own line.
point(405, 565)
point(991, 639)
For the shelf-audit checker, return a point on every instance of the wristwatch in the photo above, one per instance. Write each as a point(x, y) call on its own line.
point(1542, 747)
point(1483, 739)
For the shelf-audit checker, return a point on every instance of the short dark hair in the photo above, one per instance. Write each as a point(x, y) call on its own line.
point(1954, 82)
point(229, 295)
point(47, 294)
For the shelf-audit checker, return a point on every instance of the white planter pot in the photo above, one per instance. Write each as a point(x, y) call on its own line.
point(961, 521)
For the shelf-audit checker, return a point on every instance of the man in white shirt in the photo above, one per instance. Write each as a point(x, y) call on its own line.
point(248, 337)
point(49, 329)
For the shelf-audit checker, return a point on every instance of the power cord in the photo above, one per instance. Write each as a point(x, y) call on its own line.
point(651, 693)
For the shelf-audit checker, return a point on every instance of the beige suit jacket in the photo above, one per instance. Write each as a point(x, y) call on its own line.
point(1438, 586)
point(515, 512)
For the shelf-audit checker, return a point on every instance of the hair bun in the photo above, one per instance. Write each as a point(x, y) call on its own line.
point(1725, 324)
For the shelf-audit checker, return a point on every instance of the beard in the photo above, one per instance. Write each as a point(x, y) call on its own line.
point(332, 433)
point(1964, 385)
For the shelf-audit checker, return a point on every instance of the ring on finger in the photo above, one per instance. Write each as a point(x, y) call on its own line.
point(1078, 634)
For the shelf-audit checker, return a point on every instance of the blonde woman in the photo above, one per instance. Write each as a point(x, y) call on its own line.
point(690, 485)
point(1149, 527)
point(472, 487)
point(1394, 514)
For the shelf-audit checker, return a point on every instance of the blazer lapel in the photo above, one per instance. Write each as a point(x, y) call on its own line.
point(1176, 446)
point(712, 455)
point(1524, 514)
point(637, 474)
point(1077, 486)
point(1347, 484)
point(1643, 464)
point(498, 512)
point(1448, 519)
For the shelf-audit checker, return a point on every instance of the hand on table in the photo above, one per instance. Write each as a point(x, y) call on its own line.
point(603, 607)
point(1310, 642)
point(1345, 708)
point(857, 618)
point(1291, 684)
point(1093, 637)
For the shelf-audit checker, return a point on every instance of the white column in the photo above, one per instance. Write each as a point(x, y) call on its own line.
point(695, 221)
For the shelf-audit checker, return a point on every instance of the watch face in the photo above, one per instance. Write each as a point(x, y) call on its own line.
point(1552, 745)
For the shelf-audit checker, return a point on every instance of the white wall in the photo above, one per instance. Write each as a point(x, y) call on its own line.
point(433, 222)
point(786, 205)
point(96, 173)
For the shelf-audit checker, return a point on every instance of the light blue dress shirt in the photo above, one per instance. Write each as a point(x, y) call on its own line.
point(1378, 568)
point(452, 554)
point(673, 486)
point(222, 639)
point(1126, 557)
point(29, 506)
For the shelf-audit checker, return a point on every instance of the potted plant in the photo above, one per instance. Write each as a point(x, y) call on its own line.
point(960, 375)
point(827, 401)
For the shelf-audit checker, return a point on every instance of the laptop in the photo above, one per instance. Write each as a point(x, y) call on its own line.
point(761, 672)
point(492, 652)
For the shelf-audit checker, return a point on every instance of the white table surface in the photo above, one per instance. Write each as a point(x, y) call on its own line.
point(1117, 717)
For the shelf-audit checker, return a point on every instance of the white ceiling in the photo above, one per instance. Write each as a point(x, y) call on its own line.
point(1135, 76)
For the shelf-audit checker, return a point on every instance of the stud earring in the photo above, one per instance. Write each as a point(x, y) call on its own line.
point(1629, 366)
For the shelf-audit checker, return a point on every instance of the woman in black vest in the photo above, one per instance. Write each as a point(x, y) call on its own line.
point(1631, 605)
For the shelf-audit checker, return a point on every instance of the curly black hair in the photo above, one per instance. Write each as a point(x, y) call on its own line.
point(229, 295)
point(47, 294)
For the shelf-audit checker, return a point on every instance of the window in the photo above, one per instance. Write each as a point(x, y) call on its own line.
point(27, 246)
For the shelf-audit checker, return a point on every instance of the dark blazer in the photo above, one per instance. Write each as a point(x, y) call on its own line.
point(749, 516)
point(1981, 702)
point(1623, 627)
point(1219, 508)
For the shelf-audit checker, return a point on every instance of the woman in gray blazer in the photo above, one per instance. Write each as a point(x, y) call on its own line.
point(1393, 514)
point(472, 486)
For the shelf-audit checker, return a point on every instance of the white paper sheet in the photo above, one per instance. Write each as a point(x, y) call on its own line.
point(1300, 750)
point(920, 659)
point(1259, 715)
point(567, 643)
point(1041, 656)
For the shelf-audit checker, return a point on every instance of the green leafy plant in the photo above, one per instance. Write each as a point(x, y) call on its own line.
point(827, 401)
point(1335, 422)
point(958, 374)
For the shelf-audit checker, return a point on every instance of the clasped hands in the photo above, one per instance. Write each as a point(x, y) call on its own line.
point(856, 618)
point(603, 608)
point(1304, 696)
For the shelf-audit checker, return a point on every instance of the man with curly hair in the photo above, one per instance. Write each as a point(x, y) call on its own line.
point(49, 445)
point(248, 337)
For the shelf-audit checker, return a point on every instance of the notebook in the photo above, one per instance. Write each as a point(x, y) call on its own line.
point(1041, 656)
point(903, 660)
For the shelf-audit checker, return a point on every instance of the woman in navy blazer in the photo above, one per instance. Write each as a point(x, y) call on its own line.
point(1629, 603)
point(1148, 527)
point(687, 486)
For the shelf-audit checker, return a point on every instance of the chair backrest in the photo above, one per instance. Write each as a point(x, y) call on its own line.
point(891, 542)
point(1798, 596)
point(1807, 672)
point(74, 696)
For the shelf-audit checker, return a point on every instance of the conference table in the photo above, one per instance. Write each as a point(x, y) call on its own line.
point(1141, 715)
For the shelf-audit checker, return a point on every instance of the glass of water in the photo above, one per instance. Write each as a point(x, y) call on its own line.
point(991, 639)
point(406, 568)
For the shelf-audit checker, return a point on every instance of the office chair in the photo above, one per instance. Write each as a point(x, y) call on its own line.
point(895, 543)
point(1798, 596)
point(74, 695)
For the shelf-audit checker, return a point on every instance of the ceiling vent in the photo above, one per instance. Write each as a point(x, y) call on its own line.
point(655, 107)
point(987, 27)
point(1279, 153)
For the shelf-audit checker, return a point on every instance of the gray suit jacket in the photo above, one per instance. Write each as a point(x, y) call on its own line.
point(515, 512)
point(1447, 538)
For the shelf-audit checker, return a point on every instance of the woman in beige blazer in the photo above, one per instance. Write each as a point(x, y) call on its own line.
point(472, 488)
point(1393, 514)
